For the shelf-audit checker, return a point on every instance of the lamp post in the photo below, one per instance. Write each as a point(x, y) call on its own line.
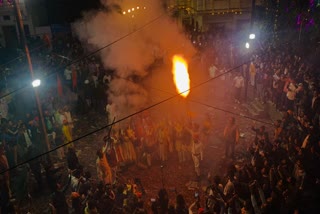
point(253, 10)
point(35, 82)
point(248, 46)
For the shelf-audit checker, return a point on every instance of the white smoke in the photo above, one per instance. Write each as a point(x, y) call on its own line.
point(132, 56)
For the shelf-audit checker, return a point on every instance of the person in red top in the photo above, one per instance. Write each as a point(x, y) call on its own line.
point(74, 78)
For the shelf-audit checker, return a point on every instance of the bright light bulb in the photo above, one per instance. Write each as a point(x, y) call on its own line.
point(132, 9)
point(252, 36)
point(36, 83)
point(129, 11)
point(247, 45)
point(124, 13)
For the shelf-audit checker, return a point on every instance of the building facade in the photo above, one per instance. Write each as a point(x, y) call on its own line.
point(33, 14)
point(208, 14)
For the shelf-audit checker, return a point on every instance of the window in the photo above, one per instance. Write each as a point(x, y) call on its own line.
point(6, 18)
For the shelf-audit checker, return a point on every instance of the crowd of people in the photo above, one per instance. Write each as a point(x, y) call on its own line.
point(21, 132)
point(277, 174)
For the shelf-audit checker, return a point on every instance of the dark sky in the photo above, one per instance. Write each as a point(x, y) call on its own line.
point(66, 11)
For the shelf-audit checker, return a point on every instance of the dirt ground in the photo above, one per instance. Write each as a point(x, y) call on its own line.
point(170, 175)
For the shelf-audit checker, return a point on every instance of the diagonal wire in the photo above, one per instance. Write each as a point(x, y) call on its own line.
point(122, 119)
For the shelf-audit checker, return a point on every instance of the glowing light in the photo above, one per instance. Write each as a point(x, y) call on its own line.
point(36, 83)
point(181, 75)
point(247, 45)
point(132, 9)
point(124, 12)
point(144, 8)
point(129, 11)
point(138, 8)
point(252, 36)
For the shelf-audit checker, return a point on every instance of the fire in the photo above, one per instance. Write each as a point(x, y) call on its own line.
point(181, 75)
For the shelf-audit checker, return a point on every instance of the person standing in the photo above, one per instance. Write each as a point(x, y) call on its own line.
point(212, 73)
point(291, 96)
point(196, 150)
point(179, 141)
point(4, 108)
point(4, 177)
point(66, 133)
point(68, 77)
point(252, 72)
point(162, 144)
point(103, 168)
point(238, 84)
point(231, 137)
point(246, 76)
point(68, 117)
point(131, 138)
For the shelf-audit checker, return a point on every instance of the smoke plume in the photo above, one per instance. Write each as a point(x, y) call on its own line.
point(134, 57)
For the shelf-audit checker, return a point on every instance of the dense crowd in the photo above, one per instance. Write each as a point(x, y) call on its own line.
point(277, 174)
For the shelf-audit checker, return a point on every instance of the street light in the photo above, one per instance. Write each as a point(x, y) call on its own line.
point(247, 45)
point(36, 83)
point(252, 36)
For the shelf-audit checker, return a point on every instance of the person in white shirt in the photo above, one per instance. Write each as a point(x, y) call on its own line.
point(212, 73)
point(108, 112)
point(238, 84)
point(61, 117)
point(196, 150)
point(68, 76)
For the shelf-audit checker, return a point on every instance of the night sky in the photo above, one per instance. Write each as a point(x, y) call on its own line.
point(66, 11)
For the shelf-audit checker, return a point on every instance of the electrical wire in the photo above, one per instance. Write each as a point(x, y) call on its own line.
point(129, 116)
point(133, 114)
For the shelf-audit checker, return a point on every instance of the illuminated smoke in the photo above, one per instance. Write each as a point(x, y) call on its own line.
point(132, 56)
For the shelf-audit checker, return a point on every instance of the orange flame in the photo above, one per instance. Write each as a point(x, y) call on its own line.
point(181, 75)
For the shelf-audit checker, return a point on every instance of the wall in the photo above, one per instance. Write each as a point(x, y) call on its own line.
point(30, 15)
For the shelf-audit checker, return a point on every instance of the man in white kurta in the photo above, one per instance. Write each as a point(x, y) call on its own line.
point(197, 154)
